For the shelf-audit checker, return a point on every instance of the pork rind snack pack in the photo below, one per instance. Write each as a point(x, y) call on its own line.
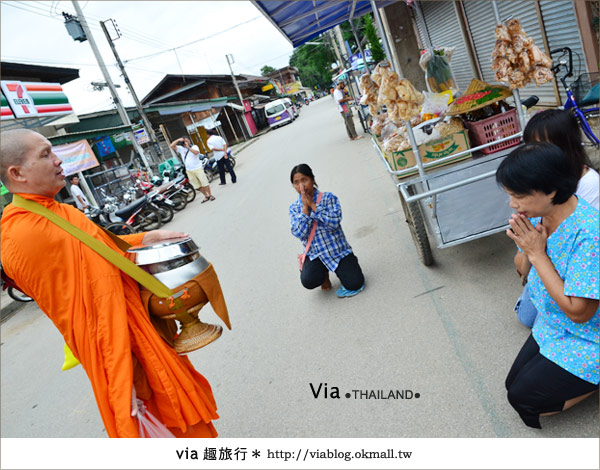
point(516, 59)
point(384, 88)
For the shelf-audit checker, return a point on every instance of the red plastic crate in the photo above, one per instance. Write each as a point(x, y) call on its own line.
point(494, 128)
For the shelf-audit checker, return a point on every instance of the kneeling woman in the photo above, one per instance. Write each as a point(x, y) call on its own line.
point(315, 219)
point(557, 235)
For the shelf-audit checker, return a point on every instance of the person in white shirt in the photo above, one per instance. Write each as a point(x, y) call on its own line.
point(345, 111)
point(190, 155)
point(80, 200)
point(219, 147)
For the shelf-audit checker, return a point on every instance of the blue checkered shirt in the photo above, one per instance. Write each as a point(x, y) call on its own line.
point(329, 243)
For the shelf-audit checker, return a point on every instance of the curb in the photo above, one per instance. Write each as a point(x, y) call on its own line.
point(10, 308)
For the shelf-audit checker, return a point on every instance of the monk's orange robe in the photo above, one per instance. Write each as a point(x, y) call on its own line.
point(98, 310)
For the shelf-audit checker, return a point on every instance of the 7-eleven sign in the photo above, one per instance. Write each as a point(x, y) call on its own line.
point(18, 98)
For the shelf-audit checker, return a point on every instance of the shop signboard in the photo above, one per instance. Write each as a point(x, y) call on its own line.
point(356, 60)
point(35, 99)
point(267, 87)
point(141, 136)
point(76, 157)
point(293, 88)
point(6, 111)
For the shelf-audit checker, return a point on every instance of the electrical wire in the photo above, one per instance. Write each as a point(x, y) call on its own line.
point(195, 41)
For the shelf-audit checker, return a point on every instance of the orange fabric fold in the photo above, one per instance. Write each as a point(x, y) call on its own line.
point(98, 310)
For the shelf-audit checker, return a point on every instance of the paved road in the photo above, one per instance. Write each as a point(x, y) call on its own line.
point(446, 332)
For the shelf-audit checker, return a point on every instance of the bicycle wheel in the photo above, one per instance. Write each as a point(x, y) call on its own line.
point(416, 225)
point(147, 219)
point(166, 213)
point(191, 194)
point(19, 296)
point(593, 121)
point(120, 228)
point(179, 201)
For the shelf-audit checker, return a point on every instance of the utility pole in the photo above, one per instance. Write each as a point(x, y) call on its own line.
point(335, 49)
point(111, 86)
point(138, 105)
point(235, 83)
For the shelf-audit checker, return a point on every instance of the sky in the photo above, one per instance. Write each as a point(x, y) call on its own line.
point(33, 32)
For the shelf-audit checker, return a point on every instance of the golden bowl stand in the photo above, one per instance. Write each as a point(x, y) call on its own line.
point(195, 334)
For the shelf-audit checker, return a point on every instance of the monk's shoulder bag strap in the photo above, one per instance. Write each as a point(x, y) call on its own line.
point(134, 271)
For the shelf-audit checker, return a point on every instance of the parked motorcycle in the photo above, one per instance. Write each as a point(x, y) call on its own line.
point(175, 191)
point(211, 167)
point(179, 175)
point(139, 216)
point(158, 201)
point(12, 288)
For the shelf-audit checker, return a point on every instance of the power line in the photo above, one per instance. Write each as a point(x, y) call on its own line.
point(42, 11)
point(195, 41)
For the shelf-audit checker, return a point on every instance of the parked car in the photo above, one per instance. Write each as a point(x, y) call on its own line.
point(278, 113)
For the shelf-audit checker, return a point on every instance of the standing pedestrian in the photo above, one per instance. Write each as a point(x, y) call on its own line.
point(96, 307)
point(219, 147)
point(345, 111)
point(190, 154)
point(315, 219)
point(80, 200)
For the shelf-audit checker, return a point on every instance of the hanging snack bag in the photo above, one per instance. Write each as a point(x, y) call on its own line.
point(438, 74)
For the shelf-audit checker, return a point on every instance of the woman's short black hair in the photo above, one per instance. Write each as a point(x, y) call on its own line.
point(212, 131)
point(304, 169)
point(538, 166)
point(559, 127)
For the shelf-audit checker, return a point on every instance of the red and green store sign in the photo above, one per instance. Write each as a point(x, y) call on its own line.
point(33, 99)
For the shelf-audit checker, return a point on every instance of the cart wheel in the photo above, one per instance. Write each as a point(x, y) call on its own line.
point(414, 219)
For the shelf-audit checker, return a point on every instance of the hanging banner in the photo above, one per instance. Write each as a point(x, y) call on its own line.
point(105, 146)
point(76, 157)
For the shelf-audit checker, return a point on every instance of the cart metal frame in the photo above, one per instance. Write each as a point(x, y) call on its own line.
point(460, 202)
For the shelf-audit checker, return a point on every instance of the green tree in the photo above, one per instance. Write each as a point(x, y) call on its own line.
point(314, 64)
point(376, 49)
point(266, 69)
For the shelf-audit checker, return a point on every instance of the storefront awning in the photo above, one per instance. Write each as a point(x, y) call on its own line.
point(75, 136)
point(187, 107)
point(300, 22)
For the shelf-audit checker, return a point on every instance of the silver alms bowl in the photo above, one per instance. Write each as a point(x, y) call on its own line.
point(173, 262)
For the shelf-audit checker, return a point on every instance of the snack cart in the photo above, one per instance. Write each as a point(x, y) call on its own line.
point(462, 201)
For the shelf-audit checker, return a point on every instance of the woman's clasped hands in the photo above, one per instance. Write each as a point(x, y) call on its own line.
point(307, 201)
point(532, 240)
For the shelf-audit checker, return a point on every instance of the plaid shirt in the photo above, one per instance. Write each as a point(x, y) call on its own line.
point(329, 243)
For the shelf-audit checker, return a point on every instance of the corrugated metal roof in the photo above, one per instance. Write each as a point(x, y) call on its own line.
point(300, 22)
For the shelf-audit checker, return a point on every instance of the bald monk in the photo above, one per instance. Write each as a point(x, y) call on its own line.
point(94, 305)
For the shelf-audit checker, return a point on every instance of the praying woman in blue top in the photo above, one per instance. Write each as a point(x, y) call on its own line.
point(557, 234)
point(315, 218)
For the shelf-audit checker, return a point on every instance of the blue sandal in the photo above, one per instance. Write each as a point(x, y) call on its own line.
point(342, 292)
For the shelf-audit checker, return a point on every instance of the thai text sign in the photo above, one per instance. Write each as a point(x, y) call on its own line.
point(76, 157)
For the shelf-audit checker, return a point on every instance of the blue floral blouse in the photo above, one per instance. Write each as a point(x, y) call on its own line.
point(573, 249)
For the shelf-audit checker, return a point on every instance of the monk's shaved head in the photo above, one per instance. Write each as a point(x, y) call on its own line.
point(14, 145)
